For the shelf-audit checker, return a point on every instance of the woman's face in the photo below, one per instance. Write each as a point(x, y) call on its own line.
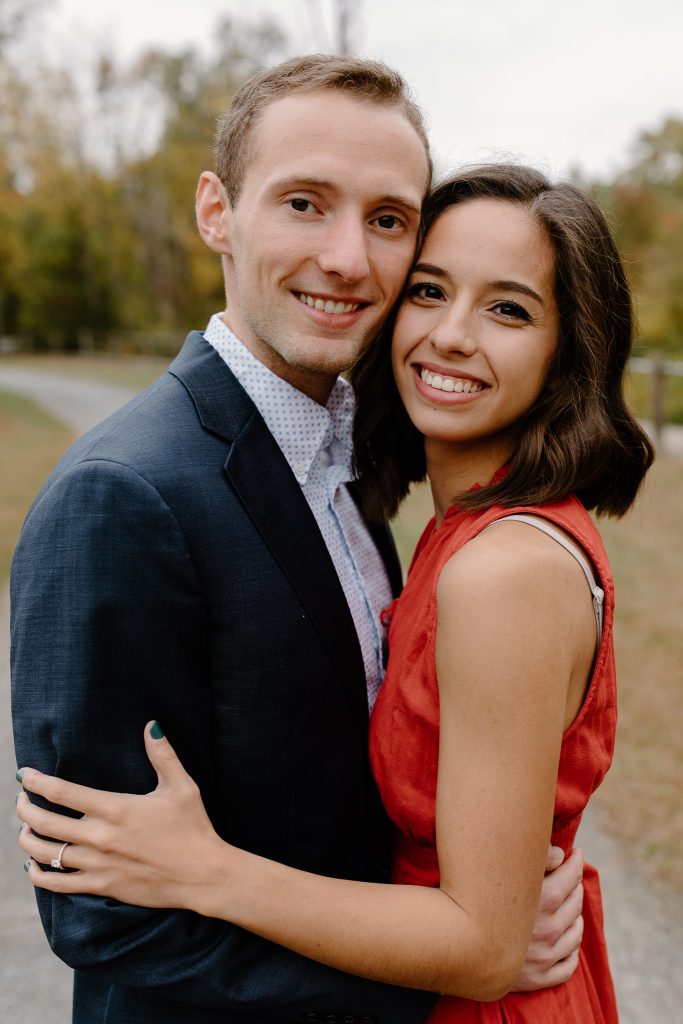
point(478, 326)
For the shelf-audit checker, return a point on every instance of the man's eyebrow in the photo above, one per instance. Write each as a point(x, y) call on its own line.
point(307, 181)
point(396, 200)
point(301, 181)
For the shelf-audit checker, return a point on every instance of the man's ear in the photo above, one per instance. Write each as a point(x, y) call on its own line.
point(212, 208)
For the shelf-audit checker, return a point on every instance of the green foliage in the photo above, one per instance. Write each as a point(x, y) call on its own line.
point(97, 232)
point(646, 204)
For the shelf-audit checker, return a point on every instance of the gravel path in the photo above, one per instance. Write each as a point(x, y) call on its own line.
point(80, 404)
point(644, 926)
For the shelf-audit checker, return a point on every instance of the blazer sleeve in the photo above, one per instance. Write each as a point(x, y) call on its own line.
point(109, 629)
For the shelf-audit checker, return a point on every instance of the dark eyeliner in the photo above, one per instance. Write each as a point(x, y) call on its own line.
point(413, 290)
point(519, 312)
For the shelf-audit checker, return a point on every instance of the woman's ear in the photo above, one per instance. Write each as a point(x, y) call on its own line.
point(212, 209)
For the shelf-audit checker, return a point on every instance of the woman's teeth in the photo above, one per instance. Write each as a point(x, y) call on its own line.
point(327, 305)
point(442, 383)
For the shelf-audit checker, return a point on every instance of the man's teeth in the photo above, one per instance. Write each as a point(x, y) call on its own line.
point(442, 383)
point(328, 305)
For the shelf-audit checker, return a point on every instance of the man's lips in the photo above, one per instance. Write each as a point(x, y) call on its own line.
point(330, 304)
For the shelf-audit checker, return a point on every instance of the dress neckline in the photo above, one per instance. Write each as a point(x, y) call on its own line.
point(499, 475)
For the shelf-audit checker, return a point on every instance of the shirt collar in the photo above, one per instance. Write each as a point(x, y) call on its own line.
point(299, 424)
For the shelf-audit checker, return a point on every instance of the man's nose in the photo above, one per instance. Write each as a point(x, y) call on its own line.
point(345, 251)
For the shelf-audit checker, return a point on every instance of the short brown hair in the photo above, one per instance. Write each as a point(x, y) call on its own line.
point(367, 80)
point(579, 436)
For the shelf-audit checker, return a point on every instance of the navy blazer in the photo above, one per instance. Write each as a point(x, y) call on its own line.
point(171, 568)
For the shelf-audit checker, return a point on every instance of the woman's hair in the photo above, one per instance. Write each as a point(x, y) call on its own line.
point(579, 437)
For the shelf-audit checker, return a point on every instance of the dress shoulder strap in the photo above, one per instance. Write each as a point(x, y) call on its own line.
point(545, 527)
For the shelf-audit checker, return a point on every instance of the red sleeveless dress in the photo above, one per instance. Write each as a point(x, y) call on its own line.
point(404, 739)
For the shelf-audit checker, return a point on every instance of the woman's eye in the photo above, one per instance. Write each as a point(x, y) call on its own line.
point(511, 311)
point(426, 291)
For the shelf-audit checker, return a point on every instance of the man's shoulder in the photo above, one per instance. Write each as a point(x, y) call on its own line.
point(148, 423)
point(165, 418)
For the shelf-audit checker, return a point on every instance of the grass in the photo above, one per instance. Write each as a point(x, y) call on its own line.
point(30, 445)
point(640, 801)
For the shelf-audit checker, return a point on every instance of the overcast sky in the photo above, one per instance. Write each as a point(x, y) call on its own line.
point(557, 85)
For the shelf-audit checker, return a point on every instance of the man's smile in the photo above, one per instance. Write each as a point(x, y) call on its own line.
point(327, 305)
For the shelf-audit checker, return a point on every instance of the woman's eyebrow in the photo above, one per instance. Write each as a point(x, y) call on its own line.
point(516, 286)
point(429, 268)
point(508, 286)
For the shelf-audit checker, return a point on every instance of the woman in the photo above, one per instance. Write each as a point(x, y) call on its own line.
point(496, 718)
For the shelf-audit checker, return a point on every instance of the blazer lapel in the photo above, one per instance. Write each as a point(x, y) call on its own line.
point(272, 497)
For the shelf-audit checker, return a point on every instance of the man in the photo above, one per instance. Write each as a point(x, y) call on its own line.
point(198, 559)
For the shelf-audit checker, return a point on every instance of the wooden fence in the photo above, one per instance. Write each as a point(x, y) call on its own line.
point(658, 370)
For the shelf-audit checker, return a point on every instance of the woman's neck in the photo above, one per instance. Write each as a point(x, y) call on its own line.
point(453, 469)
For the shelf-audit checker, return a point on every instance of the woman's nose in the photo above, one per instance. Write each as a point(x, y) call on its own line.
point(455, 332)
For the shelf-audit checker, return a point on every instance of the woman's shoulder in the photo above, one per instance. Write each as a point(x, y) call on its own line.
point(508, 556)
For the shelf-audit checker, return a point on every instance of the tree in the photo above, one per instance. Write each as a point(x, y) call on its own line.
point(647, 203)
point(97, 228)
point(14, 14)
point(345, 17)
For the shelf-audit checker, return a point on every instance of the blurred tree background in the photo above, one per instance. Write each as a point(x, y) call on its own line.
point(98, 165)
point(98, 246)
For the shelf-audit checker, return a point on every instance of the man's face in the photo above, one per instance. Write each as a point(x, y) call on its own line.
point(322, 236)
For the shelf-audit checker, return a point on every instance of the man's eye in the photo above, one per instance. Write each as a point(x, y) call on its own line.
point(511, 311)
point(389, 222)
point(301, 205)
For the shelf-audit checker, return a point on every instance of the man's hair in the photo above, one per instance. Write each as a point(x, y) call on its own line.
point(366, 80)
point(579, 436)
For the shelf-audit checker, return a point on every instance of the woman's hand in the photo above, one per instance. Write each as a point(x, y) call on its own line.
point(156, 850)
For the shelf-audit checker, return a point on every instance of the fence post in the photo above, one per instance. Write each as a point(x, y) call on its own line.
point(657, 396)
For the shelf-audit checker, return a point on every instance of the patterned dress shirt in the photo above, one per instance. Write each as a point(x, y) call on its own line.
point(316, 442)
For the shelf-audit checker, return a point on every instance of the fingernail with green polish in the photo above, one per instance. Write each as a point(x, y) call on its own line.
point(27, 865)
point(20, 774)
point(155, 731)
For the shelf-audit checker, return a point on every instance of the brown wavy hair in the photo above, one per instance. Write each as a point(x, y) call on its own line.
point(579, 437)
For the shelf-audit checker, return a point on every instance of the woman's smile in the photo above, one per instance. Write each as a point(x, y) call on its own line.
point(447, 381)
